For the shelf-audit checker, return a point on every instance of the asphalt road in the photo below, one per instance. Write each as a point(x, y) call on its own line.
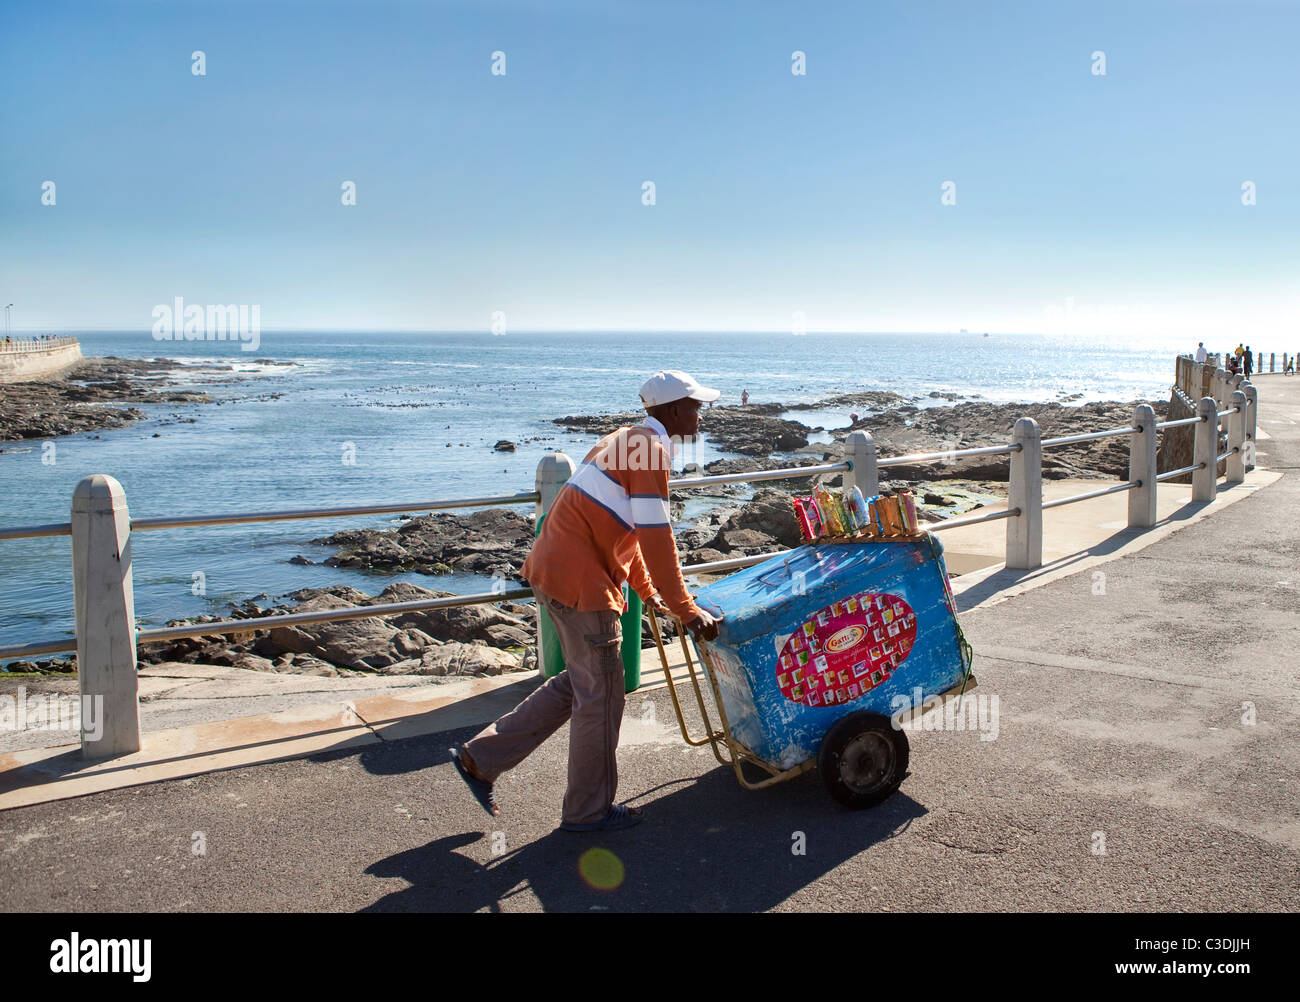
point(1146, 758)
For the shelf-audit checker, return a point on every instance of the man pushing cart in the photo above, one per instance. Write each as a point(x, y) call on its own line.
point(608, 525)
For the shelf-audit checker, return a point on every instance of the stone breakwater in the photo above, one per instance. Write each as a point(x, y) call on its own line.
point(38, 360)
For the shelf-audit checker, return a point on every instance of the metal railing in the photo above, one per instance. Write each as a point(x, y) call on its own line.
point(931, 457)
point(101, 526)
point(35, 344)
point(1188, 377)
point(1182, 471)
point(1089, 495)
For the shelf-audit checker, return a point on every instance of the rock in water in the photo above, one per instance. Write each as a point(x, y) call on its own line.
point(461, 640)
point(483, 542)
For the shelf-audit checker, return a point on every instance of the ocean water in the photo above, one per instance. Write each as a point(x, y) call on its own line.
point(421, 412)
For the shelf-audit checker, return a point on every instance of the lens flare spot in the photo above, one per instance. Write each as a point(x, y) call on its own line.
point(601, 869)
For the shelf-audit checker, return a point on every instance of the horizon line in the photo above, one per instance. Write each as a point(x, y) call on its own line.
point(574, 330)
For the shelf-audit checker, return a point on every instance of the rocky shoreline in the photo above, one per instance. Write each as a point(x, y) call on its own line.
point(90, 396)
point(730, 521)
point(462, 640)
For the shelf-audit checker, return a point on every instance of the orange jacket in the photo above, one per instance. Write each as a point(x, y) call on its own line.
point(610, 524)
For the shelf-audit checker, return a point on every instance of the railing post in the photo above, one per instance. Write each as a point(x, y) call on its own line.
point(1236, 472)
point(553, 472)
point(1205, 450)
point(105, 618)
point(1252, 415)
point(1025, 491)
point(860, 450)
point(1142, 469)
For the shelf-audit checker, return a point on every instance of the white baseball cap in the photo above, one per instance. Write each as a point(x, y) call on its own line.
point(668, 385)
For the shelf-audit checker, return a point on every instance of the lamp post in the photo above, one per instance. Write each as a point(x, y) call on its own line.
point(7, 309)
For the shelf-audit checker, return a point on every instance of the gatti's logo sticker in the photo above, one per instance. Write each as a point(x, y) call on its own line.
point(845, 650)
point(848, 637)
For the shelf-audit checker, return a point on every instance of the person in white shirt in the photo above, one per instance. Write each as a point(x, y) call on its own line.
point(1200, 353)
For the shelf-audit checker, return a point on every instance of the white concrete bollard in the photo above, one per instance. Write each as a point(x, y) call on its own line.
point(1252, 415)
point(1236, 471)
point(1205, 451)
point(1221, 393)
point(553, 472)
point(105, 618)
point(860, 450)
point(1025, 491)
point(1142, 468)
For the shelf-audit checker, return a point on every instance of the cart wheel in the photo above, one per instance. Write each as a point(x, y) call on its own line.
point(862, 759)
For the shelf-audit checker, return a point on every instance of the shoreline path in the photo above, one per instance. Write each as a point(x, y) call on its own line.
point(1125, 726)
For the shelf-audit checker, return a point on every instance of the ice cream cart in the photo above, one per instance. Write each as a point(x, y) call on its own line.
point(821, 654)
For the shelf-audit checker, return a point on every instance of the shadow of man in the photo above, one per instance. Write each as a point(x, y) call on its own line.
point(709, 845)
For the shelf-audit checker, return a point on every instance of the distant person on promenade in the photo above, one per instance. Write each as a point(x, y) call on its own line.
point(610, 523)
point(744, 398)
point(1201, 354)
point(1249, 359)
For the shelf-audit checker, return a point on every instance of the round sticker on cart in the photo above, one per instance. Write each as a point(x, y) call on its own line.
point(842, 652)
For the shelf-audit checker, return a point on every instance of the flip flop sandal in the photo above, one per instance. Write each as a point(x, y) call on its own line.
point(619, 816)
point(481, 788)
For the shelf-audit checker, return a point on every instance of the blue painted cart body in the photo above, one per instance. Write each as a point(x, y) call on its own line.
point(827, 630)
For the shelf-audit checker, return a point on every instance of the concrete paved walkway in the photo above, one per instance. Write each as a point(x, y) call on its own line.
point(1145, 758)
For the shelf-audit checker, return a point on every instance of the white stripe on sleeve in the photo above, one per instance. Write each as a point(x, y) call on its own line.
point(600, 487)
point(649, 511)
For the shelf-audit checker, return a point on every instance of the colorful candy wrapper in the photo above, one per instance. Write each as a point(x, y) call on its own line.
point(874, 516)
point(826, 503)
point(856, 508)
point(817, 515)
point(864, 509)
point(841, 512)
point(908, 500)
point(889, 514)
point(811, 522)
point(807, 523)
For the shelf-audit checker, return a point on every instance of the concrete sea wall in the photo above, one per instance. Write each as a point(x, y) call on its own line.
point(21, 363)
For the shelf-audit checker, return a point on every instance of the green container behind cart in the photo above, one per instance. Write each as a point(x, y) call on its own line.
point(553, 657)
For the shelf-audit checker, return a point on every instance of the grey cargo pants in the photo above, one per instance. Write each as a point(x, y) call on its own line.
point(589, 692)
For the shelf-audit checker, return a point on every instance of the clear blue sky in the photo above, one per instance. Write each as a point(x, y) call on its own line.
point(1118, 194)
